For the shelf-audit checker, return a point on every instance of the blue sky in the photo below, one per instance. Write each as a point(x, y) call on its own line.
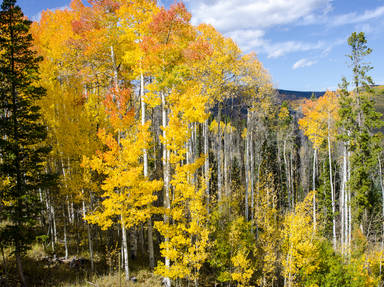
point(302, 43)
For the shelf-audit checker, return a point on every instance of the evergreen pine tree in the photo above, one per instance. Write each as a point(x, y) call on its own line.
point(22, 136)
point(360, 121)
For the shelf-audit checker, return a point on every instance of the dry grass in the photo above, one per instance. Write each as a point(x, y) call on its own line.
point(41, 269)
point(144, 279)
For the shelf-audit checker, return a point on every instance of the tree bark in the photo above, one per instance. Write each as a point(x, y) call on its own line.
point(206, 162)
point(252, 177)
point(226, 187)
point(332, 192)
point(125, 248)
point(20, 266)
point(166, 169)
point(246, 170)
point(287, 174)
point(314, 187)
point(65, 233)
point(219, 163)
point(343, 204)
point(150, 244)
point(145, 162)
point(4, 260)
point(90, 245)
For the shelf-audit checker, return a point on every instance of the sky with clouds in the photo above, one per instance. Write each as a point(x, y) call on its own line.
point(302, 43)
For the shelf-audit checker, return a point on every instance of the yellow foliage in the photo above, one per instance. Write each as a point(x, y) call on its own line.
point(243, 270)
point(127, 193)
point(300, 242)
point(319, 118)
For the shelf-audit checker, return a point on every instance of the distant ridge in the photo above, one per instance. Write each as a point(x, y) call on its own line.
point(297, 95)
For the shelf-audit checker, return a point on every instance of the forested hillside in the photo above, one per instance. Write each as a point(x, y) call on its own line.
point(140, 150)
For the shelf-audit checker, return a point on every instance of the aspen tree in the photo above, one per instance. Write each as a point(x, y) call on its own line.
point(127, 193)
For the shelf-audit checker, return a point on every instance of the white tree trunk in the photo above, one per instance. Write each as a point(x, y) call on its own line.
point(167, 203)
point(343, 201)
point(291, 181)
point(246, 154)
point(226, 154)
point(54, 223)
point(219, 163)
point(90, 245)
point(252, 177)
point(65, 234)
point(247, 169)
point(206, 162)
point(287, 173)
point(349, 205)
point(125, 248)
point(314, 187)
point(332, 193)
point(145, 163)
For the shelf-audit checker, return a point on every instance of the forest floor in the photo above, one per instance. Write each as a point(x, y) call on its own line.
point(43, 270)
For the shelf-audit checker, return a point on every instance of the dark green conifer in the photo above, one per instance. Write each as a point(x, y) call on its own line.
point(22, 148)
point(360, 121)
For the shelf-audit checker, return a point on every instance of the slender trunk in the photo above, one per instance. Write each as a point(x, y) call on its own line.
point(72, 213)
point(69, 212)
point(246, 176)
point(54, 233)
point(50, 228)
point(288, 183)
point(167, 203)
point(65, 233)
point(332, 193)
point(145, 159)
point(4, 260)
point(314, 187)
point(114, 66)
point(252, 178)
point(133, 242)
point(206, 162)
point(343, 202)
point(124, 248)
point(42, 221)
point(226, 187)
point(247, 168)
point(150, 245)
point(145, 153)
point(349, 203)
point(292, 181)
point(219, 163)
point(20, 267)
point(90, 245)
point(54, 223)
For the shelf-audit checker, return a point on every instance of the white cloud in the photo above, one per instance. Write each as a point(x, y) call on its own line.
point(247, 21)
point(250, 40)
point(276, 50)
point(253, 14)
point(330, 46)
point(354, 18)
point(37, 17)
point(303, 63)
point(366, 28)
